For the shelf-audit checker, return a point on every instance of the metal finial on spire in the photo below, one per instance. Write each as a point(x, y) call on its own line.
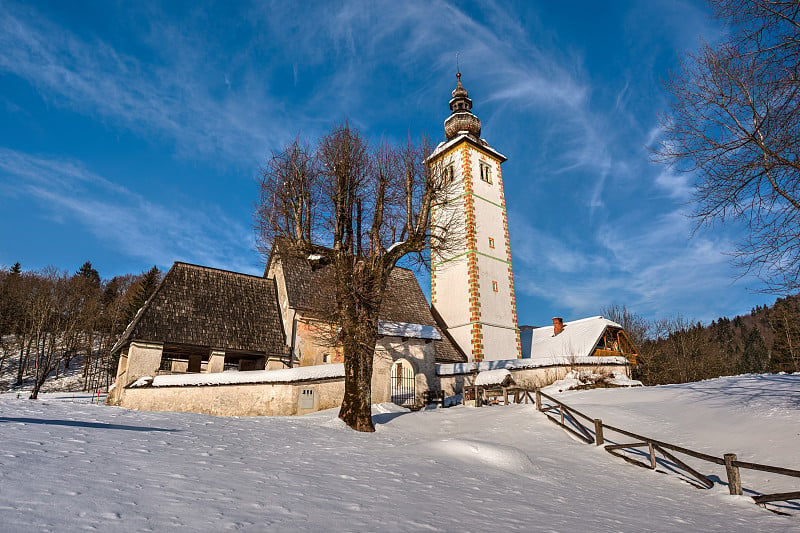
point(458, 69)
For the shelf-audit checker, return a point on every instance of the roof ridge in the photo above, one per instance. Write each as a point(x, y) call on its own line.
point(585, 319)
point(214, 269)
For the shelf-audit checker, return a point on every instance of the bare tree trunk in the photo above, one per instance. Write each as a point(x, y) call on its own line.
point(356, 409)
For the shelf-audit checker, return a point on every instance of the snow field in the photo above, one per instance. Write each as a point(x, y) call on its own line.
point(68, 466)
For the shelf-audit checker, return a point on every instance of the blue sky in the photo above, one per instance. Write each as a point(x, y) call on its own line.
point(132, 132)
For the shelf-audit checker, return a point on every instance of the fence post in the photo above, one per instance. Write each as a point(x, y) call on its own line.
point(538, 400)
point(652, 455)
point(734, 478)
point(598, 432)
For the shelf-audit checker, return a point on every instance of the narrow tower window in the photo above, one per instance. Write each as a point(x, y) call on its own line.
point(486, 172)
point(491, 242)
point(495, 288)
point(448, 174)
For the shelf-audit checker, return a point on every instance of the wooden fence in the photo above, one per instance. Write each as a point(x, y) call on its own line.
point(570, 419)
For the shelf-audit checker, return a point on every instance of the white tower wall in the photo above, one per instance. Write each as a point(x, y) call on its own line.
point(473, 289)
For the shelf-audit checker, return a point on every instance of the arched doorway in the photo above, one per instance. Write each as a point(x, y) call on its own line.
point(401, 383)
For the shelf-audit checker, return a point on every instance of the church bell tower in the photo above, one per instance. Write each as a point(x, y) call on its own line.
point(472, 288)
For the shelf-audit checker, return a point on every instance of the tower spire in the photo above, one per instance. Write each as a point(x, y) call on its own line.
point(461, 118)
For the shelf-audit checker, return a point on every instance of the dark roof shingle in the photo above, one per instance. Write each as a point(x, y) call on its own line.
point(203, 306)
point(312, 290)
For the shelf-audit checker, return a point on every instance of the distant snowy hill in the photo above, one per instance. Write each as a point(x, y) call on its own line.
point(69, 466)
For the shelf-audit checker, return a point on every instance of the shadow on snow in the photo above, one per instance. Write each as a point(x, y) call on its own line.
point(78, 423)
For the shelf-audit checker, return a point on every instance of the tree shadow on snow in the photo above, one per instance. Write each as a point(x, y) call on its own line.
point(384, 418)
point(782, 389)
point(79, 423)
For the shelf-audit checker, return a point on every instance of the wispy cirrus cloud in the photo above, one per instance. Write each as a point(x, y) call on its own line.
point(651, 266)
point(161, 101)
point(131, 224)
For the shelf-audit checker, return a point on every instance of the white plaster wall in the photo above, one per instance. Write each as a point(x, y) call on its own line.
point(491, 192)
point(262, 399)
point(137, 360)
point(452, 282)
point(144, 359)
point(489, 223)
point(498, 343)
point(495, 306)
point(452, 291)
point(463, 337)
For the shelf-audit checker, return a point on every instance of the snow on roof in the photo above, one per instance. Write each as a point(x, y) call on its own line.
point(492, 377)
point(285, 375)
point(468, 368)
point(410, 331)
point(445, 145)
point(578, 338)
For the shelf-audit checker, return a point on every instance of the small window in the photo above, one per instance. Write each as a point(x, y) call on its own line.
point(486, 172)
point(491, 242)
point(495, 287)
point(448, 175)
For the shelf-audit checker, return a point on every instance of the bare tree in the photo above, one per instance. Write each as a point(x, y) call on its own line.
point(369, 207)
point(735, 122)
point(636, 326)
point(57, 320)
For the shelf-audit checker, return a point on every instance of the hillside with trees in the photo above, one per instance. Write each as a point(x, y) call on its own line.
point(54, 323)
point(678, 350)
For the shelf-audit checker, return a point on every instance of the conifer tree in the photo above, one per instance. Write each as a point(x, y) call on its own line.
point(88, 273)
point(142, 291)
point(755, 356)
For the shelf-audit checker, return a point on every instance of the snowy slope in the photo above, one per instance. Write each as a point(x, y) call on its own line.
point(68, 466)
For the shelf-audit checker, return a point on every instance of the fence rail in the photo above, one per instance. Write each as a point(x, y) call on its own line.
point(568, 420)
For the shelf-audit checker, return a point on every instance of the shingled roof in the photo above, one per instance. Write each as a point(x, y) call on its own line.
point(201, 306)
point(312, 290)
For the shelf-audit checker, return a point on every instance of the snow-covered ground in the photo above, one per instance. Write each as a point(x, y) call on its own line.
point(68, 466)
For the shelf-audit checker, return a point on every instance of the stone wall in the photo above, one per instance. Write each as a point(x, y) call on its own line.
point(530, 378)
point(281, 399)
point(258, 399)
point(137, 360)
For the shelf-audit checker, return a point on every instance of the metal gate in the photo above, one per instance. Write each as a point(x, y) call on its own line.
point(402, 385)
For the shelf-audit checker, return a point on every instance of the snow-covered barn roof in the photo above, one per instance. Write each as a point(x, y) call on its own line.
point(578, 338)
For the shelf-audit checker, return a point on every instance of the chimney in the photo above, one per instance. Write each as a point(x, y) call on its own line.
point(558, 325)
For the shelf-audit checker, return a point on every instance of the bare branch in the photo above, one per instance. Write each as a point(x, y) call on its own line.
point(735, 123)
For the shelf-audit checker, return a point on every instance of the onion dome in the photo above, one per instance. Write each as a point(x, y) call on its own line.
point(461, 118)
